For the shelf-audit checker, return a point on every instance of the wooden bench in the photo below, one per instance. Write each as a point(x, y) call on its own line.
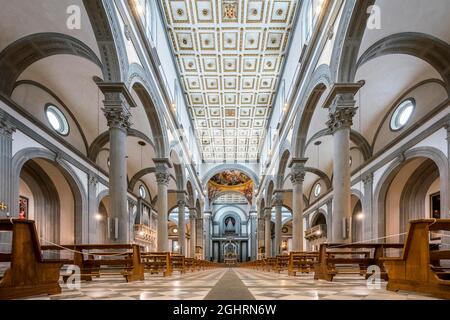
point(269, 264)
point(334, 256)
point(29, 274)
point(420, 267)
point(189, 264)
point(110, 259)
point(281, 263)
point(157, 262)
point(302, 262)
point(178, 263)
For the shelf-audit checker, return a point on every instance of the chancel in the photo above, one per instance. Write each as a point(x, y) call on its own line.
point(224, 150)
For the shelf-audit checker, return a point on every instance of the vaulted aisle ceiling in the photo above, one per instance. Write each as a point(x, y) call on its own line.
point(230, 54)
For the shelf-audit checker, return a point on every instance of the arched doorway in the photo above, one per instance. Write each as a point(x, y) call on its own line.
point(49, 197)
point(411, 191)
point(357, 219)
point(102, 218)
point(317, 234)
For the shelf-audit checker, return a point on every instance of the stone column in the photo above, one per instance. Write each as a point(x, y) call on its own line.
point(117, 104)
point(95, 234)
point(199, 235)
point(181, 227)
point(162, 179)
point(297, 178)
point(7, 205)
point(341, 119)
point(445, 185)
point(367, 203)
point(268, 233)
point(253, 233)
point(193, 227)
point(329, 205)
point(207, 226)
point(260, 233)
point(278, 222)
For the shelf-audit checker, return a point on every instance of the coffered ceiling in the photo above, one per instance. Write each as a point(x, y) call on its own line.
point(229, 54)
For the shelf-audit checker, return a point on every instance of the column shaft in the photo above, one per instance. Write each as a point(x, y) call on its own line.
point(193, 219)
point(181, 228)
point(268, 235)
point(207, 227)
point(162, 178)
point(118, 183)
point(297, 178)
point(339, 124)
point(6, 185)
point(278, 228)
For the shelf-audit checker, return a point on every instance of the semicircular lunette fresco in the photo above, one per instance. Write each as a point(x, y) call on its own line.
point(230, 181)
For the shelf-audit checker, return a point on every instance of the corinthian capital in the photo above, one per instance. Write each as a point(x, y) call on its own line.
point(162, 178)
point(6, 128)
point(342, 117)
point(297, 177)
point(117, 117)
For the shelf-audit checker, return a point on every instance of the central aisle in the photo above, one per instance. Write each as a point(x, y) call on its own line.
point(231, 284)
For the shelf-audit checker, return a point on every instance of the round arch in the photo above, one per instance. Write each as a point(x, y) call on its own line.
point(440, 160)
point(320, 82)
point(137, 81)
point(77, 188)
point(224, 167)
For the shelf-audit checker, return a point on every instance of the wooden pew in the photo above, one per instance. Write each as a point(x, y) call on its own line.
point(361, 254)
point(178, 263)
point(157, 262)
point(420, 268)
point(189, 264)
point(302, 262)
point(269, 264)
point(29, 274)
point(94, 259)
point(281, 264)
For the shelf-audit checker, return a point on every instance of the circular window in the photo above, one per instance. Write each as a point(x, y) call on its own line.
point(142, 192)
point(402, 114)
point(57, 120)
point(317, 190)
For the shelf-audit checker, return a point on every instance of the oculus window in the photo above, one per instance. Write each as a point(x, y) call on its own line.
point(142, 192)
point(402, 114)
point(57, 120)
point(317, 190)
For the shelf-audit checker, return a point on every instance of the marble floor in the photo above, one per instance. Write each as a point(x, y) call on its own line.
point(231, 284)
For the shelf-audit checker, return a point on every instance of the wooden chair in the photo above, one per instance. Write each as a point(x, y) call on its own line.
point(419, 268)
point(29, 274)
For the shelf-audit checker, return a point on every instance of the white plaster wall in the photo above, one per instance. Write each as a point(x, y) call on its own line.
point(22, 141)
